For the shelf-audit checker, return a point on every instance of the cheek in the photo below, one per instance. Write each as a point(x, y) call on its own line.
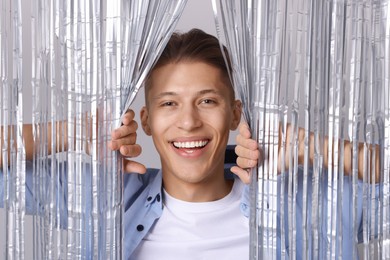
point(220, 121)
point(158, 122)
point(157, 128)
point(154, 122)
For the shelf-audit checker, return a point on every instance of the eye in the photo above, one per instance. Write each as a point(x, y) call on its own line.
point(168, 104)
point(208, 101)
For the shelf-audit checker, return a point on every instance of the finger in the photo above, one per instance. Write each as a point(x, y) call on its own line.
point(244, 175)
point(128, 117)
point(115, 145)
point(246, 163)
point(246, 143)
point(112, 145)
point(124, 130)
point(244, 130)
point(247, 153)
point(130, 166)
point(130, 151)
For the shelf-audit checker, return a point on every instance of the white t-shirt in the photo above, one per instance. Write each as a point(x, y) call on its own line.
point(198, 230)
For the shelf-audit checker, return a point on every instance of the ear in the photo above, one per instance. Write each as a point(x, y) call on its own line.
point(237, 109)
point(144, 115)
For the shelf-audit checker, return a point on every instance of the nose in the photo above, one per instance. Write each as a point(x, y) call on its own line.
point(189, 118)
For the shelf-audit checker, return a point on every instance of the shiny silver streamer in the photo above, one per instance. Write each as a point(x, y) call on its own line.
point(147, 32)
point(318, 68)
point(89, 59)
point(76, 88)
point(13, 152)
point(254, 40)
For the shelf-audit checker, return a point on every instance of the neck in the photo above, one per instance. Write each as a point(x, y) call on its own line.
point(204, 191)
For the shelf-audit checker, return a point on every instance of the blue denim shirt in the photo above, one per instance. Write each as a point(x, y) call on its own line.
point(143, 206)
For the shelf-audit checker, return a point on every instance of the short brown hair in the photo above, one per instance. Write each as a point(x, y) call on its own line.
point(194, 45)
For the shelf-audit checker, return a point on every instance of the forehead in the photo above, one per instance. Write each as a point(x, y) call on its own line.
point(185, 77)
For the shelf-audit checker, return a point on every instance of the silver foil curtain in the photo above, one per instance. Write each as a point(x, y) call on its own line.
point(11, 114)
point(314, 80)
point(87, 60)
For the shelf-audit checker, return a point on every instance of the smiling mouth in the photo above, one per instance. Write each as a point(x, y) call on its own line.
point(190, 144)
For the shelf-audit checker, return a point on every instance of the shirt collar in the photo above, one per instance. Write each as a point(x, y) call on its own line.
point(154, 194)
point(155, 191)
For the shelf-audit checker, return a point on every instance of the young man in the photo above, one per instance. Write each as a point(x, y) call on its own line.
point(188, 208)
point(192, 208)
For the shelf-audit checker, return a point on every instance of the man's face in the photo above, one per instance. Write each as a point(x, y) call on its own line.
point(189, 114)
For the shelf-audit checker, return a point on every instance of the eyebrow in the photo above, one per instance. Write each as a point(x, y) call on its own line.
point(208, 91)
point(200, 93)
point(164, 94)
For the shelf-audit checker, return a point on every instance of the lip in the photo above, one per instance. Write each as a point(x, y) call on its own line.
point(190, 139)
point(190, 152)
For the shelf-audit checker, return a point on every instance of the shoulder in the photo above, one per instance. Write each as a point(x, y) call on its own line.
point(137, 185)
point(130, 179)
point(142, 206)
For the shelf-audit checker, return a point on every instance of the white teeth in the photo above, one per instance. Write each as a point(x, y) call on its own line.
point(192, 144)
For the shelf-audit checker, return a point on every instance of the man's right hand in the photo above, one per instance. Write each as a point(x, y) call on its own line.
point(124, 139)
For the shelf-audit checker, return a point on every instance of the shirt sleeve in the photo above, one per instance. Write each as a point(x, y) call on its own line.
point(369, 205)
point(30, 209)
point(35, 198)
